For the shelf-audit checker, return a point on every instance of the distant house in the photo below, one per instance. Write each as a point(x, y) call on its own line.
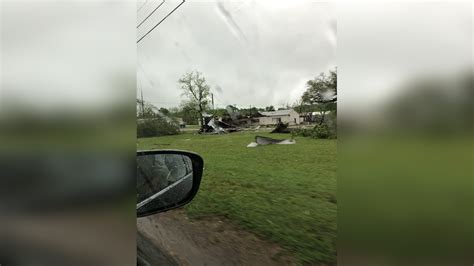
point(311, 117)
point(285, 116)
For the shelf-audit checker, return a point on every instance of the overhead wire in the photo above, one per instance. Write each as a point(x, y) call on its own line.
point(160, 22)
point(144, 73)
point(143, 21)
point(140, 8)
point(140, 67)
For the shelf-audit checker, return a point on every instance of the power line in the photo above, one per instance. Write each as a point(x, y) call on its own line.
point(143, 104)
point(160, 21)
point(140, 8)
point(143, 21)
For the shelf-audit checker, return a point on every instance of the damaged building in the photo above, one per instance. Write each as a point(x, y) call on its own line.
point(215, 125)
point(290, 117)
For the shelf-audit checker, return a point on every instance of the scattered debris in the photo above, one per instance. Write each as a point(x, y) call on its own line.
point(281, 128)
point(266, 141)
point(252, 145)
point(227, 127)
point(233, 112)
point(215, 127)
point(231, 121)
point(260, 140)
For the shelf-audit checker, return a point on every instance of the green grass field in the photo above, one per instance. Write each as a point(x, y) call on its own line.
point(284, 193)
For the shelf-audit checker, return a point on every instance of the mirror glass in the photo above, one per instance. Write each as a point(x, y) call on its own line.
point(163, 181)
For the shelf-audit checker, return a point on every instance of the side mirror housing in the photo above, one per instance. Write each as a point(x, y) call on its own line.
point(166, 179)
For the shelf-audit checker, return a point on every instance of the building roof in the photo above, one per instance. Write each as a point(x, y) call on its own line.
point(277, 113)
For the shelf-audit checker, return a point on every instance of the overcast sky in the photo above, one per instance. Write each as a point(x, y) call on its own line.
point(67, 55)
point(256, 53)
point(80, 53)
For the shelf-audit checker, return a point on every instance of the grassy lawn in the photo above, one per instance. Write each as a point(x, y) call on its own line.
point(284, 193)
point(190, 128)
point(407, 196)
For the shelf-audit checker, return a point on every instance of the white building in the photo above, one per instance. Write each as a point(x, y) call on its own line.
point(285, 116)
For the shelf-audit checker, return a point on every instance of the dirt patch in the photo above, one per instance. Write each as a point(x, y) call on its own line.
point(209, 241)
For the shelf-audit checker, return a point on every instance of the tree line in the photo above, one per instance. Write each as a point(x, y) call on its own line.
point(320, 95)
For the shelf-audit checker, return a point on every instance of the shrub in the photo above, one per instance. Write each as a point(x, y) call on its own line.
point(155, 127)
point(303, 132)
point(331, 122)
point(317, 132)
point(306, 132)
point(321, 131)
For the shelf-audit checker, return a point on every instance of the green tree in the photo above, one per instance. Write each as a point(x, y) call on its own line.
point(174, 112)
point(270, 108)
point(321, 94)
point(250, 112)
point(164, 111)
point(195, 88)
point(219, 112)
point(322, 89)
point(145, 110)
point(189, 113)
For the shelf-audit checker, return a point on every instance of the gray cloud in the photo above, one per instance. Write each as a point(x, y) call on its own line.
point(255, 53)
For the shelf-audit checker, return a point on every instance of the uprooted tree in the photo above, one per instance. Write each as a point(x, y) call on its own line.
point(151, 122)
point(145, 109)
point(195, 88)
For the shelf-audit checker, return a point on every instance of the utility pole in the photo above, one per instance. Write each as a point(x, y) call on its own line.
point(143, 104)
point(212, 99)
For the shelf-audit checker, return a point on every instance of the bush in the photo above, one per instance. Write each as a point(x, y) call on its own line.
point(306, 132)
point(331, 122)
point(318, 132)
point(321, 132)
point(303, 132)
point(155, 127)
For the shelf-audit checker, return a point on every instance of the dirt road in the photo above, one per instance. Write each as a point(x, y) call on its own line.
point(207, 242)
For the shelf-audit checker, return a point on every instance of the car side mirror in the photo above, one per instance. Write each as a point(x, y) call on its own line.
point(166, 179)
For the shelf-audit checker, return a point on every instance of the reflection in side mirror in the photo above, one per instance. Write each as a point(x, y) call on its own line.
point(166, 180)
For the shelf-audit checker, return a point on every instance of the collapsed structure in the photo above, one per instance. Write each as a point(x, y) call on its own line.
point(217, 127)
point(234, 121)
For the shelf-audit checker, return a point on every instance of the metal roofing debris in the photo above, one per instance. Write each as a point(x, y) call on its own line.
point(214, 126)
point(260, 140)
point(252, 145)
point(281, 128)
point(217, 129)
